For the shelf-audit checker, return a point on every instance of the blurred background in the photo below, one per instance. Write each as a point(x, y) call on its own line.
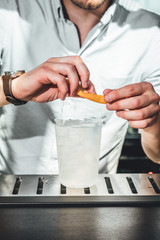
point(133, 158)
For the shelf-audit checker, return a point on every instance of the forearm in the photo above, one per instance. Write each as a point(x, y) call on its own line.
point(3, 100)
point(150, 139)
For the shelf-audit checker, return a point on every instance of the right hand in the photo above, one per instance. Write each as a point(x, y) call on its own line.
point(48, 82)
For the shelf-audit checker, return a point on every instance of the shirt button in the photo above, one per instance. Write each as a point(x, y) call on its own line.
point(99, 24)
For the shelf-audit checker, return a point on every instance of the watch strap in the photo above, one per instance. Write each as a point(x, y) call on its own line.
point(7, 87)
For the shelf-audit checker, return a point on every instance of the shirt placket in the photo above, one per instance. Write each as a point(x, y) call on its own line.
point(69, 34)
point(97, 31)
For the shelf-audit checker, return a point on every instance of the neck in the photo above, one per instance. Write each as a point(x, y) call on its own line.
point(84, 20)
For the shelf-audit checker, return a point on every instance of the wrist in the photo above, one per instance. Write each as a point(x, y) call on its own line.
point(8, 82)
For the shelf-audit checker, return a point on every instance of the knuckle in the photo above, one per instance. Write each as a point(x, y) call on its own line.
point(114, 95)
point(156, 97)
point(116, 105)
point(44, 68)
point(70, 67)
point(122, 114)
point(78, 58)
point(145, 124)
point(49, 60)
point(132, 124)
point(131, 89)
point(136, 102)
point(141, 114)
point(147, 85)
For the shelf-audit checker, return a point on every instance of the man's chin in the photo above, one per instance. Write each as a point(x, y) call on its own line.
point(88, 5)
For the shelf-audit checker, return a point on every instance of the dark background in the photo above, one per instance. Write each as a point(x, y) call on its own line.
point(133, 158)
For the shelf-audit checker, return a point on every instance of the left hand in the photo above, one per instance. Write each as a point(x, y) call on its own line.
point(138, 103)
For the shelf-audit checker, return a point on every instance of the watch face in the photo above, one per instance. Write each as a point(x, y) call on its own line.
point(14, 74)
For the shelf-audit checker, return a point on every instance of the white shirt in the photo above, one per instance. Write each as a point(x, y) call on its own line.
point(150, 5)
point(123, 48)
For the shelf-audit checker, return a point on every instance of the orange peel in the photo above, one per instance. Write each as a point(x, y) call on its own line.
point(91, 96)
point(81, 92)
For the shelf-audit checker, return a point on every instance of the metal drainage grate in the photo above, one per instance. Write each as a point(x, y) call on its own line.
point(17, 185)
point(109, 188)
point(40, 185)
point(154, 185)
point(131, 185)
point(109, 185)
point(63, 189)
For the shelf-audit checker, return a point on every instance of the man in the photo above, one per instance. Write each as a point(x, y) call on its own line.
point(100, 43)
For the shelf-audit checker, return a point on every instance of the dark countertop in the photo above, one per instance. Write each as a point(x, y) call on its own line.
point(69, 223)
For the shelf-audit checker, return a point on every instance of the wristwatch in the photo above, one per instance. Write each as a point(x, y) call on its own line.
point(7, 86)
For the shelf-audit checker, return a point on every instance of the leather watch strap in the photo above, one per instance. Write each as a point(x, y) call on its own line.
point(6, 84)
point(7, 87)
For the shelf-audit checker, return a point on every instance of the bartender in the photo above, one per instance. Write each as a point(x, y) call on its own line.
point(109, 49)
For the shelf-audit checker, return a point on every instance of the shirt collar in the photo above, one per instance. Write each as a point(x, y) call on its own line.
point(107, 16)
point(104, 19)
point(58, 8)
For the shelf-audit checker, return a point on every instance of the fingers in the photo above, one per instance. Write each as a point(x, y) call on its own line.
point(145, 98)
point(143, 123)
point(128, 91)
point(138, 103)
point(131, 103)
point(76, 65)
point(139, 114)
point(91, 88)
point(33, 84)
point(141, 118)
point(59, 81)
point(64, 69)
